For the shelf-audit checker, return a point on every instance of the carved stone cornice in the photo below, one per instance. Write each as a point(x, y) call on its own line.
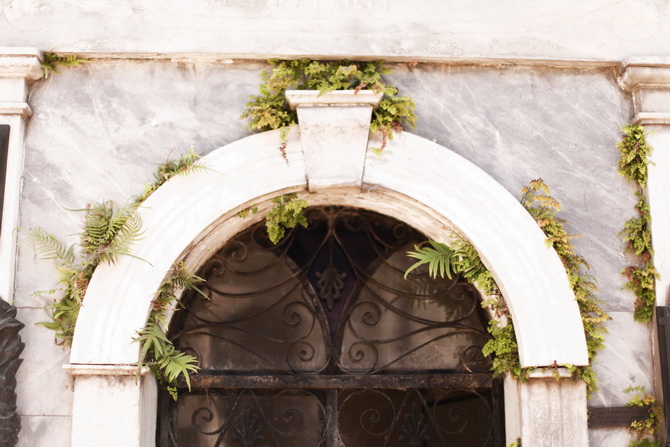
point(10, 349)
point(649, 81)
point(18, 67)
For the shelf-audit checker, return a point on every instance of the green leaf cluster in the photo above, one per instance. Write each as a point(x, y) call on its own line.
point(641, 278)
point(635, 152)
point(646, 430)
point(51, 61)
point(157, 351)
point(516, 443)
point(184, 165)
point(108, 231)
point(537, 199)
point(268, 110)
point(287, 213)
point(462, 259)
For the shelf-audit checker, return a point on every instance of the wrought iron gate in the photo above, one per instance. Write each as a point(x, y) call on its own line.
point(321, 341)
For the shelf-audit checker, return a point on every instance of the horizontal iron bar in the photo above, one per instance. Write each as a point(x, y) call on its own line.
point(203, 381)
point(616, 416)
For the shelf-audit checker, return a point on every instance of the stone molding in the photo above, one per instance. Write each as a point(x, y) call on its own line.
point(648, 79)
point(18, 67)
point(334, 130)
point(76, 370)
point(407, 182)
point(198, 213)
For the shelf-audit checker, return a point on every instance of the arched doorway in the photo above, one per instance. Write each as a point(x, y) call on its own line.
point(415, 181)
point(322, 341)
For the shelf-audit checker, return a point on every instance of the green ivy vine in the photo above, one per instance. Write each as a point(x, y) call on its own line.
point(641, 277)
point(268, 110)
point(646, 430)
point(462, 258)
point(109, 231)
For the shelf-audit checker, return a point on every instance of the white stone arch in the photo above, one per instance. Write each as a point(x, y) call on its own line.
point(415, 180)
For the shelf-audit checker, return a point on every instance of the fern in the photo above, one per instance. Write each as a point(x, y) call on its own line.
point(51, 61)
point(287, 213)
point(186, 164)
point(48, 247)
point(108, 231)
point(438, 257)
point(539, 203)
point(462, 259)
point(157, 350)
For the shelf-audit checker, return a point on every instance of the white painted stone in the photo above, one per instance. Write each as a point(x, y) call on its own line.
point(17, 67)
point(658, 191)
point(553, 413)
point(542, 30)
point(118, 297)
point(334, 132)
point(113, 410)
point(42, 361)
point(45, 431)
point(528, 272)
point(649, 81)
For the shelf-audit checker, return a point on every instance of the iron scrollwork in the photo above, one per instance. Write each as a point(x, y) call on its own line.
point(330, 301)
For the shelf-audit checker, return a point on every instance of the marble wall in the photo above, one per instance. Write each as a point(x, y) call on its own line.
point(99, 130)
point(539, 30)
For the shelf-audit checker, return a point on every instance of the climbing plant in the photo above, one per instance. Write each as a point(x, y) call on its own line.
point(462, 258)
point(268, 110)
point(645, 430)
point(641, 277)
point(539, 203)
point(109, 231)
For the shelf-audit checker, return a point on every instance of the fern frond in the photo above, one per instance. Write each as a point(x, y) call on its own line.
point(48, 247)
point(438, 256)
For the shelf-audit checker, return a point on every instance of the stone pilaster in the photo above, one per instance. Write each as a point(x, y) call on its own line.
point(18, 67)
point(648, 79)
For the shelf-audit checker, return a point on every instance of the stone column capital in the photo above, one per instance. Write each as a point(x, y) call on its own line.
point(648, 79)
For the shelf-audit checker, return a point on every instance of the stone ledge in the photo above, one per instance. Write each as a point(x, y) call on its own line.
point(341, 98)
point(79, 369)
point(20, 62)
point(15, 108)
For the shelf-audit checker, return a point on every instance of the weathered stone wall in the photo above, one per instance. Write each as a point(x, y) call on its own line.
point(539, 30)
point(99, 130)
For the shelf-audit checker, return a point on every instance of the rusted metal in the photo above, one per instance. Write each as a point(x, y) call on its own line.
point(322, 381)
point(322, 332)
point(602, 417)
